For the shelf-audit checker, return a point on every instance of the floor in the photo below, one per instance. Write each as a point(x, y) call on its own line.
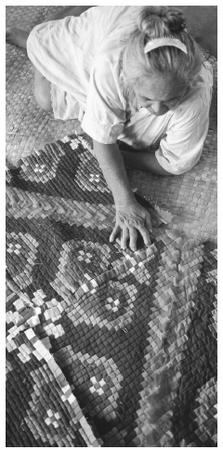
point(202, 22)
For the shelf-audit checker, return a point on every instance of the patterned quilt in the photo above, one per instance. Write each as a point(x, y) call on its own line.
point(105, 347)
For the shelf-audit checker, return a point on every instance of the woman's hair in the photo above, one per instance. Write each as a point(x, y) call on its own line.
point(157, 22)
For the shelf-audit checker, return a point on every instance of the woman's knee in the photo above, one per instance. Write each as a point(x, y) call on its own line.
point(42, 91)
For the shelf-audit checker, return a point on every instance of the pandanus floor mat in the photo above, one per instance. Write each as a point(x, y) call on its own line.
point(105, 347)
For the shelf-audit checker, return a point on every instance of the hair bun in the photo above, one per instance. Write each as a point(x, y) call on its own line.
point(160, 21)
point(175, 20)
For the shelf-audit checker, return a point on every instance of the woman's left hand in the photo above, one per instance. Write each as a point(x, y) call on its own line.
point(131, 219)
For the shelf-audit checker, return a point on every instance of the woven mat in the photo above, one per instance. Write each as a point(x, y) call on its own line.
point(104, 347)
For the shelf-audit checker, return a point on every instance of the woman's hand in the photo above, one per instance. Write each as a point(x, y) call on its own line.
point(131, 219)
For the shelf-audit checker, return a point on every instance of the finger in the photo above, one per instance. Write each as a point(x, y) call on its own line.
point(124, 239)
point(114, 233)
point(145, 235)
point(118, 241)
point(133, 239)
point(148, 222)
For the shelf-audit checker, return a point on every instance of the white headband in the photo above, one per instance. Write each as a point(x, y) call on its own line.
point(163, 42)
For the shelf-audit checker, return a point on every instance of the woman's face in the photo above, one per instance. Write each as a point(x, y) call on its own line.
point(159, 94)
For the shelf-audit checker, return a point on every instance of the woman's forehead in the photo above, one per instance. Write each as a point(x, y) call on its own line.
point(160, 88)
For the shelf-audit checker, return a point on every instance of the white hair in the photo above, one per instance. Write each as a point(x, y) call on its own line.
point(156, 22)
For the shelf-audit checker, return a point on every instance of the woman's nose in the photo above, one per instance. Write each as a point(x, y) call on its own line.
point(159, 108)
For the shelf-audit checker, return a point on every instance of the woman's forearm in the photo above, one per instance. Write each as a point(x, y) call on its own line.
point(113, 168)
point(131, 219)
point(140, 160)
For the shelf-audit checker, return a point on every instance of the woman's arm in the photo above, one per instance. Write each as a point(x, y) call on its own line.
point(112, 165)
point(143, 160)
point(131, 217)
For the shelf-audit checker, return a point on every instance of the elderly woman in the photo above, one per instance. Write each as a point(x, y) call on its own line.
point(130, 74)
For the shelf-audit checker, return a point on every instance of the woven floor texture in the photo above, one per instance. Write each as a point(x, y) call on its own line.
point(104, 347)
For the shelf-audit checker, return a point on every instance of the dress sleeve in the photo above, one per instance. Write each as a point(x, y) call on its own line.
point(105, 114)
point(180, 149)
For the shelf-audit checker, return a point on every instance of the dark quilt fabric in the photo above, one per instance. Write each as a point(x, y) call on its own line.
point(105, 347)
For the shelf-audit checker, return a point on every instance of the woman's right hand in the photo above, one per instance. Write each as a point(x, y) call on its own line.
point(131, 219)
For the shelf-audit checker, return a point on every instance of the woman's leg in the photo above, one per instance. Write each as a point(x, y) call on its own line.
point(70, 11)
point(42, 88)
point(41, 92)
point(18, 36)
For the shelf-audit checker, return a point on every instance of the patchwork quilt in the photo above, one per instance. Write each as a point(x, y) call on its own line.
point(105, 347)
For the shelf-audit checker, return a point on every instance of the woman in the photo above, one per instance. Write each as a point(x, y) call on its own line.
point(130, 74)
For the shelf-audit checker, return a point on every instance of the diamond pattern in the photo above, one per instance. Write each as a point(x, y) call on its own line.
point(107, 347)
